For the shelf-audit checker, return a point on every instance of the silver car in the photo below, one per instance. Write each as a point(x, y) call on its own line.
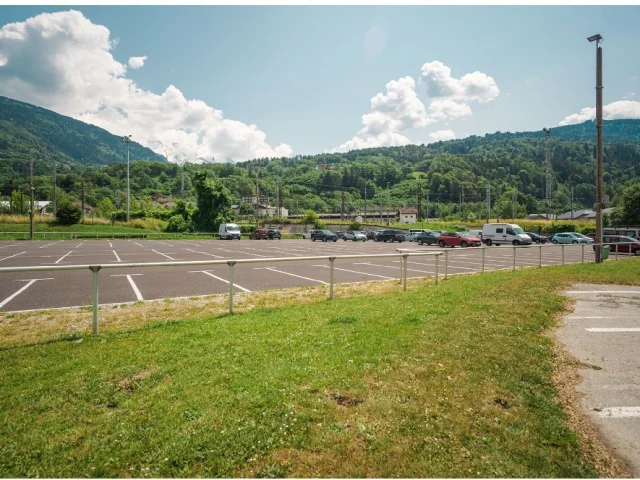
point(567, 237)
point(355, 236)
point(588, 239)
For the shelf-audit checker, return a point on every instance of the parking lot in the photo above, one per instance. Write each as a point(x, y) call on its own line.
point(56, 289)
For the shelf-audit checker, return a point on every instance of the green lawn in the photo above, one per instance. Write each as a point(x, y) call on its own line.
point(453, 380)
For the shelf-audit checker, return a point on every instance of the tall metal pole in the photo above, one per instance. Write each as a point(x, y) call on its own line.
point(599, 192)
point(55, 202)
point(571, 202)
point(488, 201)
point(388, 201)
point(127, 140)
point(365, 203)
point(548, 171)
point(427, 206)
point(31, 194)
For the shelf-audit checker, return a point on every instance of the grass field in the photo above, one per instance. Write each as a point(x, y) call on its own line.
point(454, 380)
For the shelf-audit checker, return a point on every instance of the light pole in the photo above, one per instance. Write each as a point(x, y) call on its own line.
point(127, 139)
point(600, 172)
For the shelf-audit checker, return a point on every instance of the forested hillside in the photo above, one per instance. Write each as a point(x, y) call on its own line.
point(450, 175)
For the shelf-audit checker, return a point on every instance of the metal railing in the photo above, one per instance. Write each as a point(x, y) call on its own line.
point(95, 269)
point(107, 235)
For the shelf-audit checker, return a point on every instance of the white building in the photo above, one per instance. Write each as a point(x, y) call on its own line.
point(408, 215)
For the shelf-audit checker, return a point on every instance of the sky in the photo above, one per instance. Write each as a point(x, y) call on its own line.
point(220, 83)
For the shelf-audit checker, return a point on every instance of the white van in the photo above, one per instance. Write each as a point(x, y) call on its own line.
point(504, 233)
point(229, 231)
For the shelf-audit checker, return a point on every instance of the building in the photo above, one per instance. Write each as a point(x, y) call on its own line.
point(407, 215)
point(537, 216)
point(269, 211)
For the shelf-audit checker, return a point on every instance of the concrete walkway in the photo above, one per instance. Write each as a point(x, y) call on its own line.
point(604, 331)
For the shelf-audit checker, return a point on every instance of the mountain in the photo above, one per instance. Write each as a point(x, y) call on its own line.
point(48, 134)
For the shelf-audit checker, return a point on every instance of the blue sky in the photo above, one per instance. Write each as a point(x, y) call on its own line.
point(304, 77)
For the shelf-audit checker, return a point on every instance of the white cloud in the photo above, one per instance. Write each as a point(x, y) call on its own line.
point(442, 135)
point(634, 78)
point(62, 61)
point(628, 96)
point(137, 62)
point(400, 109)
point(472, 86)
point(612, 111)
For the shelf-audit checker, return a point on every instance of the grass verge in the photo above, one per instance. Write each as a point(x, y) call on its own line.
point(435, 382)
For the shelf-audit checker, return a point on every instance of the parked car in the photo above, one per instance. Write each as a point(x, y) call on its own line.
point(324, 235)
point(307, 235)
point(566, 237)
point(390, 236)
point(588, 239)
point(372, 234)
point(229, 231)
point(340, 234)
point(462, 239)
point(273, 234)
point(259, 234)
point(354, 235)
point(413, 233)
point(535, 238)
point(476, 233)
point(426, 237)
point(504, 233)
point(622, 244)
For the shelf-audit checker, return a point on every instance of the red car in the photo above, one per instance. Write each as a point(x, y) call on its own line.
point(621, 243)
point(260, 234)
point(462, 239)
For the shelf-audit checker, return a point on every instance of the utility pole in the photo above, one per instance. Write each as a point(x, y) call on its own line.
point(427, 206)
point(55, 203)
point(599, 189)
point(342, 203)
point(277, 198)
point(182, 183)
point(365, 202)
point(388, 202)
point(488, 201)
point(31, 189)
point(571, 202)
point(83, 199)
point(257, 198)
point(127, 140)
point(513, 205)
point(548, 170)
point(419, 201)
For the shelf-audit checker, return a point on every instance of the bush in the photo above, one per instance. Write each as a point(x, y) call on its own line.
point(558, 227)
point(177, 224)
point(355, 226)
point(68, 213)
point(247, 228)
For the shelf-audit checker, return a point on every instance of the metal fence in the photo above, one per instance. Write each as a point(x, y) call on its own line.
point(402, 254)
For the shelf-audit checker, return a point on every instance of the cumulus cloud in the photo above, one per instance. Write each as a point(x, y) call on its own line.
point(62, 61)
point(137, 62)
point(400, 109)
point(612, 111)
point(442, 135)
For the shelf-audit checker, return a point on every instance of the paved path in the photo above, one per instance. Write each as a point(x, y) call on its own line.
point(53, 289)
point(604, 331)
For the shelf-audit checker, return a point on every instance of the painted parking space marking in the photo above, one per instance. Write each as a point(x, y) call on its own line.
point(29, 283)
point(62, 257)
point(163, 254)
point(208, 272)
point(273, 269)
point(7, 246)
point(359, 273)
point(110, 245)
point(11, 256)
point(117, 257)
point(138, 244)
point(163, 243)
point(205, 253)
point(47, 245)
point(135, 288)
point(249, 253)
point(390, 266)
point(612, 330)
point(619, 412)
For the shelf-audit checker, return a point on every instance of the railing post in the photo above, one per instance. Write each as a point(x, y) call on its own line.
point(483, 255)
point(540, 256)
point(231, 263)
point(404, 272)
point(514, 258)
point(446, 263)
point(331, 260)
point(95, 270)
point(563, 254)
point(616, 251)
point(583, 253)
point(436, 271)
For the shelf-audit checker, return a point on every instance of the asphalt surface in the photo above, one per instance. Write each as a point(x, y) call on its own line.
point(604, 331)
point(21, 291)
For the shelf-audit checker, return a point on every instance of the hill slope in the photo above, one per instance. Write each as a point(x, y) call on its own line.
point(24, 126)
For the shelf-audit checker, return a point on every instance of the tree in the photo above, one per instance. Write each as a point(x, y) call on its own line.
point(213, 202)
point(105, 208)
point(68, 213)
point(178, 224)
point(630, 205)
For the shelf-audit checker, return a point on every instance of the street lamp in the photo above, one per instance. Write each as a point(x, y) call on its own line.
point(600, 170)
point(127, 139)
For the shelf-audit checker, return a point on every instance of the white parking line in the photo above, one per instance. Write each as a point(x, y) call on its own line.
point(612, 330)
point(208, 272)
point(359, 273)
point(62, 258)
point(450, 265)
point(47, 245)
point(136, 291)
point(272, 269)
point(30, 282)
point(164, 255)
point(163, 243)
point(249, 253)
point(110, 245)
point(389, 266)
point(205, 253)
point(11, 256)
point(117, 257)
point(7, 246)
point(137, 244)
point(619, 412)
